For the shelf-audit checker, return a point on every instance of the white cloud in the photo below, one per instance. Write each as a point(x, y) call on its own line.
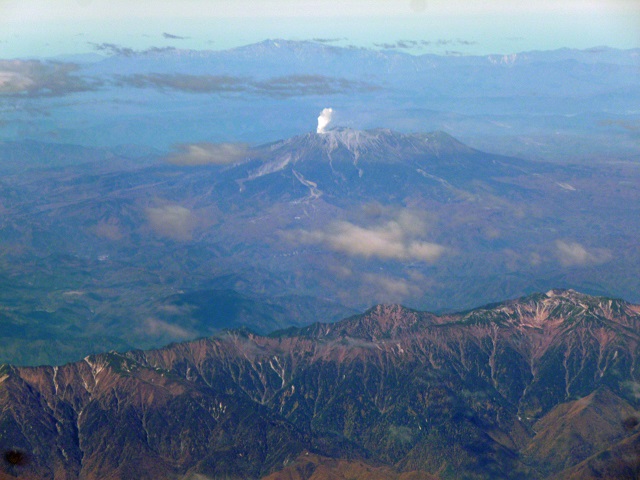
point(14, 82)
point(573, 253)
point(109, 230)
point(399, 238)
point(33, 78)
point(384, 288)
point(209, 153)
point(158, 328)
point(390, 287)
point(172, 221)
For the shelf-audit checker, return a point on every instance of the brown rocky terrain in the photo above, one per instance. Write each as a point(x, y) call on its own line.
point(540, 387)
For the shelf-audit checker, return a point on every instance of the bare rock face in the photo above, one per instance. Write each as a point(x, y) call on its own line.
point(539, 387)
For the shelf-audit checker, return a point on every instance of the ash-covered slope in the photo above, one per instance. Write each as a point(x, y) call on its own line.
point(370, 146)
point(344, 163)
point(361, 148)
point(481, 394)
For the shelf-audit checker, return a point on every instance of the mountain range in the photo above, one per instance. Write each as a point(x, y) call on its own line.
point(539, 387)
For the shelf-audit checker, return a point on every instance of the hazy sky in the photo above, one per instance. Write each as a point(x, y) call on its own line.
point(52, 27)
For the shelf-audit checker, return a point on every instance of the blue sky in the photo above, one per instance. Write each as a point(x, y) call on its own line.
point(41, 28)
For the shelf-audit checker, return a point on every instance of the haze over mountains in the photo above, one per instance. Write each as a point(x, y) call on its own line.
point(540, 387)
point(548, 105)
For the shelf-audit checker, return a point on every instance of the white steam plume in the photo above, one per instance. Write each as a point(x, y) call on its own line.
point(324, 119)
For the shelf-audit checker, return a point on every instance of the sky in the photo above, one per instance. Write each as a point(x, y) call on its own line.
point(46, 28)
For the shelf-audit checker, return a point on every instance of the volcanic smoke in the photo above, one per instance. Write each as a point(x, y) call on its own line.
point(324, 119)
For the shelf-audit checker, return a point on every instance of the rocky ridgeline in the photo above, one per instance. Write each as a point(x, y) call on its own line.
point(539, 387)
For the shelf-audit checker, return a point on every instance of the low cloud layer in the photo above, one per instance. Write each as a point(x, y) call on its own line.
point(171, 36)
point(184, 83)
point(300, 85)
point(158, 328)
point(389, 289)
point(629, 126)
point(329, 40)
point(33, 78)
point(209, 154)
point(402, 44)
point(399, 238)
point(575, 254)
point(412, 44)
point(117, 50)
point(109, 230)
point(282, 87)
point(172, 221)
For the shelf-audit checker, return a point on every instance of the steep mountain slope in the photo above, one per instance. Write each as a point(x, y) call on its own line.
point(620, 462)
point(313, 467)
point(347, 164)
point(561, 435)
point(480, 394)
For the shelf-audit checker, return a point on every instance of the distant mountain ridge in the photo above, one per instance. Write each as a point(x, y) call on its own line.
point(302, 49)
point(482, 393)
point(591, 71)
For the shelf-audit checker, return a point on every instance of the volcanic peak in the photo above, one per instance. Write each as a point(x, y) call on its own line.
point(376, 143)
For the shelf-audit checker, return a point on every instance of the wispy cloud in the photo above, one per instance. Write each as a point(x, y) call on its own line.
point(402, 44)
point(415, 44)
point(329, 40)
point(301, 85)
point(286, 86)
point(185, 83)
point(109, 230)
point(389, 288)
point(173, 37)
point(630, 126)
point(159, 328)
point(118, 50)
point(172, 221)
point(575, 254)
point(33, 78)
point(209, 154)
point(114, 49)
point(398, 238)
point(453, 42)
